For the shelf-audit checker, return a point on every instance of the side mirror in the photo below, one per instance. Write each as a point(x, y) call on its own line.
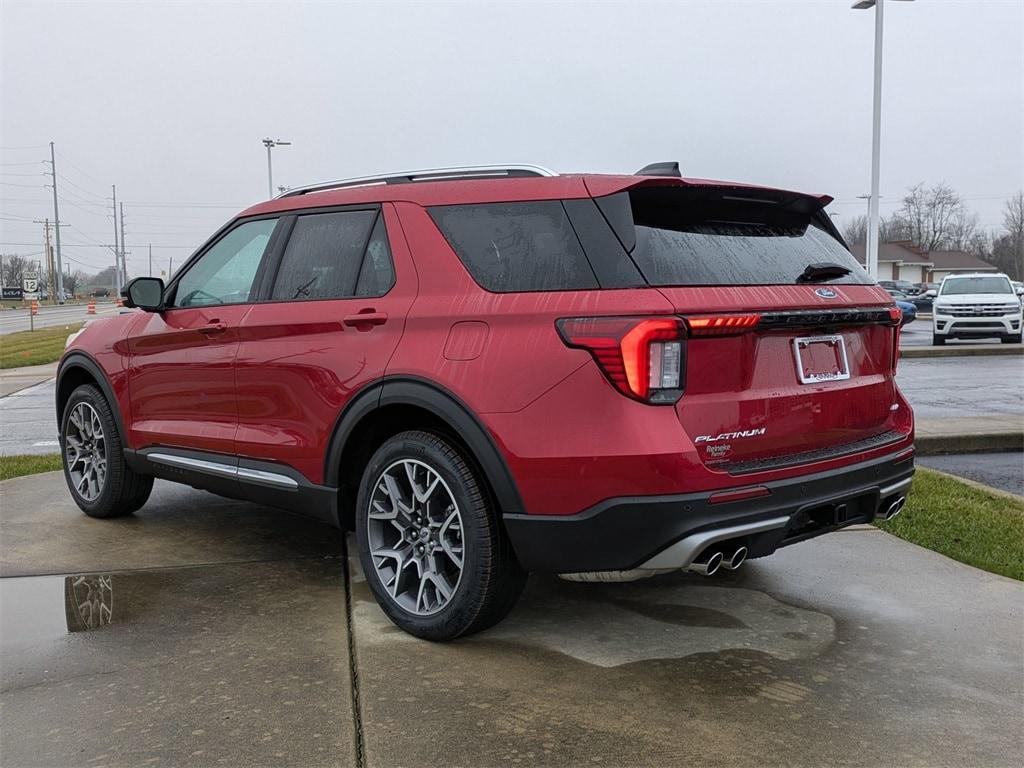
point(931, 294)
point(145, 293)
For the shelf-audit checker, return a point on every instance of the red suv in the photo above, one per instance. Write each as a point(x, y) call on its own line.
point(495, 370)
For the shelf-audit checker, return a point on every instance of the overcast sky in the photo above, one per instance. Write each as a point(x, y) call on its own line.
point(170, 101)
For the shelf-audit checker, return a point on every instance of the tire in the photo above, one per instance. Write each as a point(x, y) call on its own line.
point(117, 490)
point(938, 341)
point(1011, 339)
point(460, 522)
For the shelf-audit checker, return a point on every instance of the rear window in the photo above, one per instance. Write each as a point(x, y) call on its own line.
point(962, 285)
point(511, 247)
point(697, 236)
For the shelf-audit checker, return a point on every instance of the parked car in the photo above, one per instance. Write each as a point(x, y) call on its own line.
point(1018, 288)
point(903, 286)
point(490, 371)
point(982, 305)
point(907, 307)
point(99, 293)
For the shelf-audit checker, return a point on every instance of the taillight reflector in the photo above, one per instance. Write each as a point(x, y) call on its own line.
point(722, 325)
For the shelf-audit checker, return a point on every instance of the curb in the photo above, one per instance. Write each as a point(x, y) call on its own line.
point(982, 442)
point(910, 353)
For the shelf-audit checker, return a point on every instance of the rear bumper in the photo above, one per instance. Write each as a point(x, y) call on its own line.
point(664, 531)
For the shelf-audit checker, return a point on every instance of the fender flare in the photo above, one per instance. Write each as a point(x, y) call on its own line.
point(403, 390)
point(85, 362)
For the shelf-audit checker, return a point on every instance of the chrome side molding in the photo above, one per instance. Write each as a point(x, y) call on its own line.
point(244, 474)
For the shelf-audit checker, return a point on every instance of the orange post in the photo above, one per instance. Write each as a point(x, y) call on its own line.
point(120, 301)
point(91, 309)
point(35, 307)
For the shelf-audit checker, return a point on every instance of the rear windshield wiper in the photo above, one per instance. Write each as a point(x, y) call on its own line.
point(822, 272)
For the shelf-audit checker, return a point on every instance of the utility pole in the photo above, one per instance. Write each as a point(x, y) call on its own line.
point(150, 259)
point(117, 257)
point(124, 269)
point(53, 282)
point(270, 144)
point(56, 221)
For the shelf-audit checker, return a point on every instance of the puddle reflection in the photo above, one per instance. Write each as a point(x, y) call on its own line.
point(88, 601)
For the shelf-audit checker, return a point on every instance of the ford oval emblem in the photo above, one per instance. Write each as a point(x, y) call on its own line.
point(826, 293)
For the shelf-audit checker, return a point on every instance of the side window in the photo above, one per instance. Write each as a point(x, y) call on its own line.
point(225, 273)
point(517, 246)
point(377, 274)
point(323, 256)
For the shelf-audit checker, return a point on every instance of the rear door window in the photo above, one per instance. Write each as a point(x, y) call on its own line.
point(512, 247)
point(324, 256)
point(681, 236)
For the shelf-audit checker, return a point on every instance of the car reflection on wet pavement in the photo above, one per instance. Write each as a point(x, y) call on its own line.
point(204, 631)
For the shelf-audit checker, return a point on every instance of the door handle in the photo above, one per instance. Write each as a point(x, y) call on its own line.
point(214, 326)
point(365, 319)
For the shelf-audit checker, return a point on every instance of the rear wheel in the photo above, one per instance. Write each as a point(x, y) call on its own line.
point(430, 543)
point(938, 341)
point(100, 481)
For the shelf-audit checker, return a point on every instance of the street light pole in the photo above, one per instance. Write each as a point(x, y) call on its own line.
point(270, 144)
point(876, 137)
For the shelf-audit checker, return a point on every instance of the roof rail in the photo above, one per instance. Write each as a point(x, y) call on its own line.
point(428, 174)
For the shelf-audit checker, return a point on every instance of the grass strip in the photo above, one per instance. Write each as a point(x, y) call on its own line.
point(34, 347)
point(16, 466)
point(964, 522)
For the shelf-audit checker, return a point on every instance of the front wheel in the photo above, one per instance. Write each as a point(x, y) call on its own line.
point(938, 341)
point(1011, 339)
point(430, 543)
point(100, 481)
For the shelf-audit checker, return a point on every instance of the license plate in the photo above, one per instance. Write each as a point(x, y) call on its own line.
point(820, 359)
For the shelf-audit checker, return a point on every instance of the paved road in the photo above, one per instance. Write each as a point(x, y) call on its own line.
point(28, 423)
point(13, 320)
point(232, 631)
point(999, 470)
point(958, 387)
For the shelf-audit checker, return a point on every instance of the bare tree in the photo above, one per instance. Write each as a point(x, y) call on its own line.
point(856, 230)
point(934, 218)
point(1008, 250)
point(75, 281)
point(14, 267)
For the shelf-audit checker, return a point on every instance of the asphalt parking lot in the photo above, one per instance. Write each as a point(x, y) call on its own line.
point(241, 635)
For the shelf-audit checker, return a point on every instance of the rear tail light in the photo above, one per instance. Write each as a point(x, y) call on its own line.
point(722, 325)
point(896, 318)
point(643, 357)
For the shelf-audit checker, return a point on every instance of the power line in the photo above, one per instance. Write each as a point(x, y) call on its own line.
point(80, 187)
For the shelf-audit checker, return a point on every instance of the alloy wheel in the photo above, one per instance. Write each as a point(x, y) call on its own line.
point(414, 529)
point(85, 451)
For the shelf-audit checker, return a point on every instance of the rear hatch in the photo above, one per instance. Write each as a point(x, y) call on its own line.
point(790, 355)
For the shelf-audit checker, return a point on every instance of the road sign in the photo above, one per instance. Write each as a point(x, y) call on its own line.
point(30, 285)
point(13, 294)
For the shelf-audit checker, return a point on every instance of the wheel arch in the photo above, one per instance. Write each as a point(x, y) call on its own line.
point(78, 368)
point(395, 404)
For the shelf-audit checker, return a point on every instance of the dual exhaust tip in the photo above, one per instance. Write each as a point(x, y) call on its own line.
point(708, 563)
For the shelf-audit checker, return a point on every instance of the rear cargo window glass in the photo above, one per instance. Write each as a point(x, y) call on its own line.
point(696, 236)
point(517, 246)
point(323, 256)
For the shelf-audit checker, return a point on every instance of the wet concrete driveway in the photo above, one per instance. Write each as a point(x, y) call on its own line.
point(209, 632)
